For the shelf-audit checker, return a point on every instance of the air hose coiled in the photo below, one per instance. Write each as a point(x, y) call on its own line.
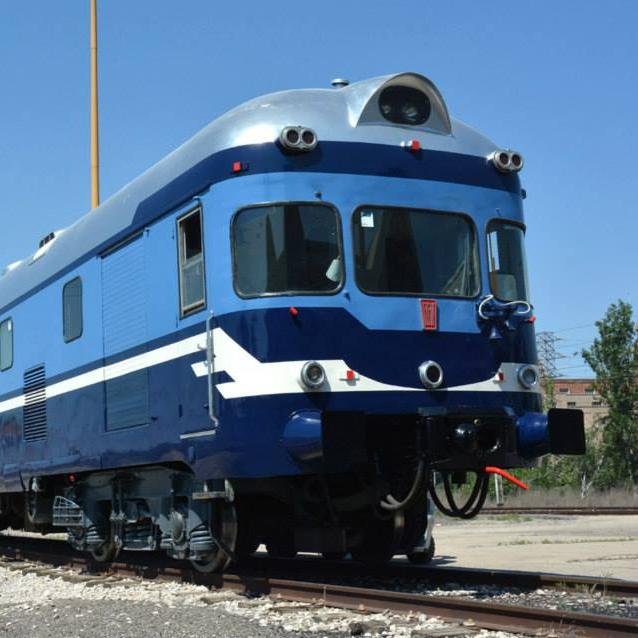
point(472, 506)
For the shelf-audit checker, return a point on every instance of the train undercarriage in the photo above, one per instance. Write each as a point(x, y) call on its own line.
point(212, 523)
point(368, 493)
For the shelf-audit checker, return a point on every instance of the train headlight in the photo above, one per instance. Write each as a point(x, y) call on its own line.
point(312, 375)
point(431, 374)
point(527, 376)
point(404, 105)
point(298, 138)
point(507, 161)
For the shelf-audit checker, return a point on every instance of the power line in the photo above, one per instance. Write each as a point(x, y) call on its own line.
point(574, 344)
point(573, 365)
point(586, 325)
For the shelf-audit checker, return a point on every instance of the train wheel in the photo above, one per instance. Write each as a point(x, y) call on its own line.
point(105, 552)
point(422, 557)
point(223, 528)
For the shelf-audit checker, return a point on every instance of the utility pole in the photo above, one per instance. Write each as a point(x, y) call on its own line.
point(95, 141)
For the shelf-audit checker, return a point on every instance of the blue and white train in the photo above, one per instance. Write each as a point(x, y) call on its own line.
point(277, 335)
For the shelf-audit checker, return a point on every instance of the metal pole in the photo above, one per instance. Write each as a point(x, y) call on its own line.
point(95, 142)
point(498, 490)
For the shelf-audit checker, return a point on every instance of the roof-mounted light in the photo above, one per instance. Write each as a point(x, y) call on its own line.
point(298, 138)
point(404, 105)
point(507, 161)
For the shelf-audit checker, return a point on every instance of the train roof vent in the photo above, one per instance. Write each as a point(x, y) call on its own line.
point(44, 244)
point(409, 100)
point(45, 240)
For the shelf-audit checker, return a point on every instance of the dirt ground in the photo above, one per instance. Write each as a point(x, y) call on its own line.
point(583, 545)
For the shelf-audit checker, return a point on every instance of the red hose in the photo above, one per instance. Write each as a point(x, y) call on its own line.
point(490, 469)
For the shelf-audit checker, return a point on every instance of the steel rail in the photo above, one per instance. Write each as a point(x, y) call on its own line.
point(311, 567)
point(518, 619)
point(435, 575)
point(567, 511)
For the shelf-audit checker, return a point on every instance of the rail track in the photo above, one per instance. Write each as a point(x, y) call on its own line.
point(565, 511)
point(265, 577)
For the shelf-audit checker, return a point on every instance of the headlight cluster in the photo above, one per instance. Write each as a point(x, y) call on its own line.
point(431, 374)
point(507, 161)
point(404, 105)
point(312, 375)
point(527, 376)
point(298, 138)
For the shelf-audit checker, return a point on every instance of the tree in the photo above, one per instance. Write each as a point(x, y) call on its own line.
point(549, 392)
point(614, 359)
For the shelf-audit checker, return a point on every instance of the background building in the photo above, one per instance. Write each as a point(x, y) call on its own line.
point(580, 394)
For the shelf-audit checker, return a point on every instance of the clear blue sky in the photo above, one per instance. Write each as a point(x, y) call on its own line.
point(555, 80)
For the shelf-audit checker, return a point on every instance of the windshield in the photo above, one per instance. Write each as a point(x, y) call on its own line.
point(506, 256)
point(287, 248)
point(415, 252)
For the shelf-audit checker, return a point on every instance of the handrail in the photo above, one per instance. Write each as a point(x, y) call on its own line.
point(210, 368)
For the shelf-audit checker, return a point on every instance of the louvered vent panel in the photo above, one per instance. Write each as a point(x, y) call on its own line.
point(124, 323)
point(35, 404)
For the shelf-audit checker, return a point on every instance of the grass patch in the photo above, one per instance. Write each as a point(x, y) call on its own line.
point(549, 541)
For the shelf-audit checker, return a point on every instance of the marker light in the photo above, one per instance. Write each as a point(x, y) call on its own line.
point(431, 374)
point(312, 375)
point(527, 376)
point(298, 138)
point(507, 161)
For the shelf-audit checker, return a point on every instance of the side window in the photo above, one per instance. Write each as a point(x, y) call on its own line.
point(192, 288)
point(72, 310)
point(506, 256)
point(6, 344)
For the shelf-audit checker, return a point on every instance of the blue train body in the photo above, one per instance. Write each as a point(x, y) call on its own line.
point(139, 341)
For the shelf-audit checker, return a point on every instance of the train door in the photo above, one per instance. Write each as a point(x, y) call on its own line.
point(124, 320)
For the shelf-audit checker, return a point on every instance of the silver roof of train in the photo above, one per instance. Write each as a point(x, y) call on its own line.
point(349, 114)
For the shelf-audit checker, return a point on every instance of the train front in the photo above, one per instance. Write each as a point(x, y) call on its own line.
point(381, 327)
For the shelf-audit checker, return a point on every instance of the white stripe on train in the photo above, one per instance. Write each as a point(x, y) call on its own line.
point(253, 378)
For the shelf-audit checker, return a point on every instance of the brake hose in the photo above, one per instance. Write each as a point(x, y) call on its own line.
point(391, 504)
point(473, 504)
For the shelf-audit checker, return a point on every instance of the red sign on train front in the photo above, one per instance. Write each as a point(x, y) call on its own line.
point(428, 314)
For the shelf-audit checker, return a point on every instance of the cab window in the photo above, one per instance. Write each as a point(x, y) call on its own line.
point(506, 257)
point(401, 251)
point(291, 248)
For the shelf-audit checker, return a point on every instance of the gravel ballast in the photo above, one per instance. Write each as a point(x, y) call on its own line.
point(44, 602)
